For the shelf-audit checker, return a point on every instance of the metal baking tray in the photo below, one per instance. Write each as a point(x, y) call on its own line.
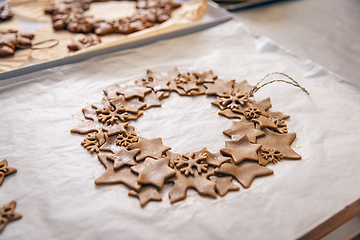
point(214, 16)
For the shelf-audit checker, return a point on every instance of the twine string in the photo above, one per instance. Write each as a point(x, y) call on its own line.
point(292, 82)
point(56, 42)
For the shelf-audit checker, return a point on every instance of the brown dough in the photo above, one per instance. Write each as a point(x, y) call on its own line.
point(151, 100)
point(245, 172)
point(281, 142)
point(84, 43)
point(7, 214)
point(146, 194)
point(153, 171)
point(199, 182)
point(241, 149)
point(218, 87)
point(123, 157)
point(149, 148)
point(5, 170)
point(239, 129)
point(224, 184)
point(112, 176)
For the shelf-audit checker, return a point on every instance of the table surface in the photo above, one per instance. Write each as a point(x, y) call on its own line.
point(324, 31)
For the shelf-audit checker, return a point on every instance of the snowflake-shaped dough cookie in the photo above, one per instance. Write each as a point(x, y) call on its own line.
point(192, 160)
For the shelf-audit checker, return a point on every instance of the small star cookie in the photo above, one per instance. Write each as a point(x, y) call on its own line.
point(5, 170)
point(7, 214)
point(153, 171)
point(245, 172)
point(146, 194)
point(241, 149)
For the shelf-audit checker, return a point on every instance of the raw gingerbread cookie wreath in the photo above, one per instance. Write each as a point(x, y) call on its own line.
point(259, 137)
point(69, 15)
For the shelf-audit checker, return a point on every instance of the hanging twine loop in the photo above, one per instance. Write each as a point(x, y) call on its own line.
point(56, 42)
point(290, 81)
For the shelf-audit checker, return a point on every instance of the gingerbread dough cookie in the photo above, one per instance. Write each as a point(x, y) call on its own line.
point(199, 182)
point(8, 214)
point(146, 194)
point(12, 40)
point(241, 149)
point(245, 172)
point(5, 170)
point(224, 185)
point(149, 148)
point(111, 176)
point(153, 171)
point(239, 129)
point(84, 43)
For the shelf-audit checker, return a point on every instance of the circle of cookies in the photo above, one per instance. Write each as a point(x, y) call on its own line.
point(145, 165)
point(69, 15)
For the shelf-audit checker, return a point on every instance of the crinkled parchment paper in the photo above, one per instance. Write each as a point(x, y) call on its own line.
point(54, 185)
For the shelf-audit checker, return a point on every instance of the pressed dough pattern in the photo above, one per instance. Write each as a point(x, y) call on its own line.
point(145, 165)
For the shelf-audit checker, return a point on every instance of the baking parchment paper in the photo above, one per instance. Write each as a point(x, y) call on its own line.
point(54, 186)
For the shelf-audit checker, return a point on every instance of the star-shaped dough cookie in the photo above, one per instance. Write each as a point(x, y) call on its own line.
point(8, 214)
point(146, 194)
point(123, 157)
point(264, 122)
point(278, 115)
point(200, 91)
point(262, 105)
point(131, 105)
point(112, 92)
point(159, 82)
point(153, 171)
point(230, 114)
point(199, 182)
point(149, 148)
point(151, 100)
point(188, 86)
point(136, 90)
point(5, 170)
point(218, 87)
point(85, 127)
point(89, 113)
point(217, 103)
point(241, 149)
point(224, 184)
point(172, 158)
point(205, 77)
point(110, 176)
point(214, 159)
point(163, 94)
point(243, 86)
point(239, 129)
point(281, 142)
point(245, 172)
point(110, 144)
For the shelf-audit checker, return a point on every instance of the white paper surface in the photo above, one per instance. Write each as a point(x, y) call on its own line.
point(54, 186)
